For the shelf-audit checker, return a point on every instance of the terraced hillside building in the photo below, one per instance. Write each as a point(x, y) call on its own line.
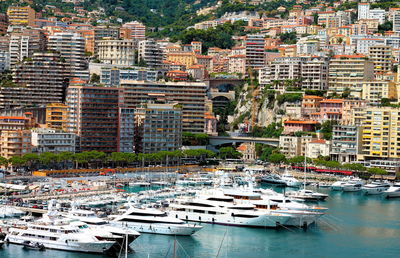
point(37, 81)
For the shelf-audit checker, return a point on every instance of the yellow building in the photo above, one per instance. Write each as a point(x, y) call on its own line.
point(374, 91)
point(185, 58)
point(379, 133)
point(56, 116)
point(21, 15)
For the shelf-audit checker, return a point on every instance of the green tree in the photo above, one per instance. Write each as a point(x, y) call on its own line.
point(377, 171)
point(95, 78)
point(298, 160)
point(229, 153)
point(276, 158)
point(355, 166)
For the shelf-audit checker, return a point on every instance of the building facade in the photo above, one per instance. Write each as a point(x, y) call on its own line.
point(118, 52)
point(50, 140)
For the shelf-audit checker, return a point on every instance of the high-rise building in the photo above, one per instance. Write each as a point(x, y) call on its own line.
point(21, 15)
point(191, 95)
point(71, 46)
point(37, 81)
point(126, 130)
point(380, 133)
point(4, 61)
point(134, 30)
point(363, 11)
point(3, 23)
point(345, 143)
point(382, 57)
point(347, 72)
point(374, 91)
point(158, 128)
point(117, 52)
point(93, 117)
point(56, 116)
point(150, 53)
point(396, 21)
point(24, 43)
point(255, 51)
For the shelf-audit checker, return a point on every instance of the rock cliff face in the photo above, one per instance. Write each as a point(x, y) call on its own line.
point(267, 108)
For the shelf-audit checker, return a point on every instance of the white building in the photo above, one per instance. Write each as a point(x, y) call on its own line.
point(363, 11)
point(377, 14)
point(316, 148)
point(364, 44)
point(151, 53)
point(50, 140)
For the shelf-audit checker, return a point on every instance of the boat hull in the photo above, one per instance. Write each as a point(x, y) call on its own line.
point(162, 229)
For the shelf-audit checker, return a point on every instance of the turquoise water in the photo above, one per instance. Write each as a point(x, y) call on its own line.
point(356, 226)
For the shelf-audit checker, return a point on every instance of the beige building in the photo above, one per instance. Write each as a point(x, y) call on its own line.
point(347, 72)
point(293, 146)
point(374, 91)
point(237, 64)
point(186, 58)
point(248, 150)
point(15, 143)
point(117, 52)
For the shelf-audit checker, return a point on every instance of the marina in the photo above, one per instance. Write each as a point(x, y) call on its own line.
point(207, 220)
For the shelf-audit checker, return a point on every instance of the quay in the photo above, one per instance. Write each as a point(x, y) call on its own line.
point(28, 197)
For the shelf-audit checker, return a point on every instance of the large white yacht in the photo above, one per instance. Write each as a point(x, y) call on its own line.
point(393, 191)
point(307, 195)
point(338, 185)
point(118, 232)
point(298, 217)
point(375, 187)
point(290, 180)
point(61, 236)
point(146, 220)
point(221, 209)
point(353, 186)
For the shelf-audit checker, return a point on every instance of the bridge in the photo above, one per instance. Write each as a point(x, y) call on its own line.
point(218, 140)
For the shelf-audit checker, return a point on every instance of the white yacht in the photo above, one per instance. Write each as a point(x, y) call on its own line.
point(154, 221)
point(338, 185)
point(352, 186)
point(273, 179)
point(298, 218)
point(118, 232)
point(58, 236)
point(222, 210)
point(393, 191)
point(375, 187)
point(290, 180)
point(307, 195)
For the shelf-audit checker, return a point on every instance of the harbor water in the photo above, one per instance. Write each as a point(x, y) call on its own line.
point(355, 226)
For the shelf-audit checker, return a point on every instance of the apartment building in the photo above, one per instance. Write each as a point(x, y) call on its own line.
point(255, 48)
point(24, 43)
point(15, 143)
point(237, 64)
point(347, 71)
point(150, 52)
point(345, 143)
point(51, 140)
point(21, 15)
point(158, 128)
point(375, 91)
point(3, 23)
point(56, 116)
point(71, 46)
point(292, 146)
point(113, 76)
point(93, 117)
point(116, 52)
point(380, 134)
point(134, 30)
point(186, 58)
point(126, 130)
point(4, 61)
point(38, 81)
point(191, 95)
point(382, 57)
